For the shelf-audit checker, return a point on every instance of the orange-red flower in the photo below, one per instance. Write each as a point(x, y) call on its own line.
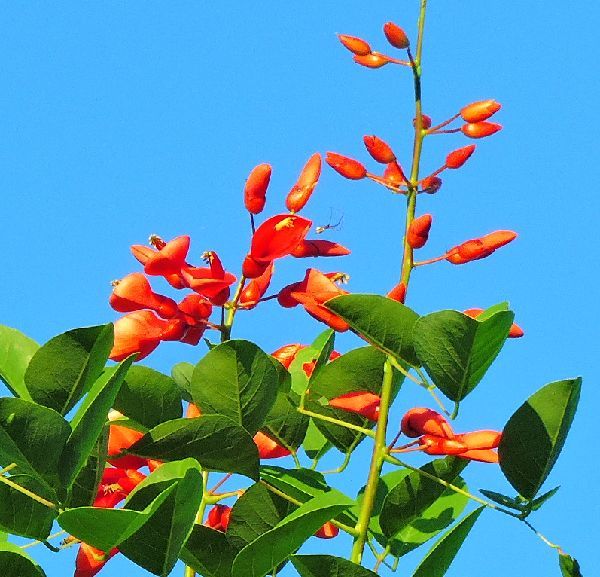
point(394, 174)
point(302, 190)
point(218, 518)
point(90, 560)
point(379, 150)
point(137, 332)
point(457, 158)
point(477, 248)
point(268, 448)
point(422, 421)
point(120, 438)
point(515, 330)
point(212, 282)
point(287, 353)
point(372, 60)
point(356, 45)
point(144, 253)
point(418, 231)
point(169, 258)
point(363, 403)
point(312, 292)
point(347, 167)
point(256, 289)
point(479, 111)
point(192, 411)
point(115, 485)
point(398, 293)
point(431, 184)
point(327, 531)
point(134, 292)
point(255, 191)
point(312, 248)
point(395, 35)
point(480, 129)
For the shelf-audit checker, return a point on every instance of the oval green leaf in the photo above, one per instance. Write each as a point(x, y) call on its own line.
point(14, 562)
point(328, 566)
point(16, 351)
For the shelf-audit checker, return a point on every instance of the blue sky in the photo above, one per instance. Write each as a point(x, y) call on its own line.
point(122, 119)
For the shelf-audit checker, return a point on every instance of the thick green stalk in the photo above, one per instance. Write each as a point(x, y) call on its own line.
point(188, 571)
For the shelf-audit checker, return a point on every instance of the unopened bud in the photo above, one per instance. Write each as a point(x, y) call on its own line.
point(396, 36)
point(478, 111)
point(480, 129)
point(379, 149)
point(356, 45)
point(458, 157)
point(345, 166)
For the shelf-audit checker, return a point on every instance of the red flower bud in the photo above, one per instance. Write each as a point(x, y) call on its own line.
point(396, 36)
point(418, 231)
point(255, 190)
point(119, 439)
point(356, 45)
point(313, 248)
point(218, 518)
point(398, 293)
point(481, 110)
point(268, 448)
point(277, 237)
point(379, 149)
point(515, 330)
point(480, 129)
point(433, 445)
point(477, 248)
point(256, 289)
point(193, 412)
point(361, 402)
point(90, 560)
point(133, 293)
point(423, 421)
point(394, 174)
point(286, 354)
point(426, 121)
point(345, 166)
point(252, 268)
point(327, 531)
point(302, 190)
point(372, 60)
point(458, 157)
point(431, 184)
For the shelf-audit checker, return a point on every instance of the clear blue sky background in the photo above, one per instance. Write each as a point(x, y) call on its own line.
point(122, 119)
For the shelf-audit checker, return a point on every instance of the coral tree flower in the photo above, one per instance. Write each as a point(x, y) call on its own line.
point(477, 248)
point(356, 45)
point(363, 403)
point(418, 231)
point(327, 531)
point(218, 518)
point(137, 332)
point(347, 167)
point(144, 253)
point(314, 248)
point(90, 560)
point(515, 331)
point(134, 292)
point(212, 282)
point(379, 150)
point(480, 129)
point(479, 111)
point(255, 191)
point(457, 158)
point(306, 183)
point(287, 353)
point(169, 258)
point(256, 289)
point(396, 36)
point(120, 438)
point(269, 448)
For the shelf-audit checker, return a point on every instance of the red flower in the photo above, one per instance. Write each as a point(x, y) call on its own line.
point(255, 191)
point(395, 35)
point(312, 293)
point(394, 174)
point(398, 293)
point(302, 190)
point(268, 448)
point(372, 60)
point(480, 129)
point(327, 531)
point(431, 184)
point(137, 332)
point(478, 111)
point(423, 421)
point(418, 231)
point(90, 560)
point(515, 330)
point(457, 158)
point(134, 292)
point(361, 402)
point(218, 518)
point(356, 45)
point(308, 248)
point(120, 438)
point(169, 258)
point(192, 412)
point(256, 289)
point(211, 282)
point(477, 248)
point(115, 485)
point(347, 167)
point(144, 253)
point(287, 353)
point(379, 149)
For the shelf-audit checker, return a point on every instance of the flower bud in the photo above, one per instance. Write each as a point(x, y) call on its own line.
point(372, 60)
point(398, 293)
point(418, 231)
point(302, 190)
point(218, 518)
point(345, 166)
point(458, 157)
point(396, 36)
point(379, 149)
point(356, 45)
point(252, 268)
point(478, 111)
point(314, 248)
point(394, 174)
point(426, 121)
point(423, 421)
point(327, 531)
point(256, 188)
point(480, 129)
point(363, 403)
point(431, 184)
point(477, 248)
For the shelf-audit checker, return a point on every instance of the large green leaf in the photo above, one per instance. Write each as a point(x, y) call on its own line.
point(14, 562)
point(569, 567)
point(383, 322)
point(181, 373)
point(457, 350)
point(238, 380)
point(328, 566)
point(274, 546)
point(33, 437)
point(216, 442)
point(415, 493)
point(156, 545)
point(88, 422)
point(209, 552)
point(315, 444)
point(16, 351)
point(534, 436)
point(284, 422)
point(64, 369)
point(441, 555)
point(21, 515)
point(148, 397)
point(317, 354)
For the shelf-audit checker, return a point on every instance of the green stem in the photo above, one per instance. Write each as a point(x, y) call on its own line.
point(379, 452)
point(189, 571)
point(233, 306)
point(335, 421)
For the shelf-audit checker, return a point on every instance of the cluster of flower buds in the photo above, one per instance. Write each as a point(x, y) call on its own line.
point(436, 437)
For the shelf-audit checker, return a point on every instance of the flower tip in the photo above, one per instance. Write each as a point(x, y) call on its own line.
point(396, 36)
point(356, 45)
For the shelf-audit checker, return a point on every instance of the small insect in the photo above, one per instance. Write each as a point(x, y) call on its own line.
point(330, 225)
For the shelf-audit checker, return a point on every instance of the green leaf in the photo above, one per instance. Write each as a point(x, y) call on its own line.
point(237, 380)
point(504, 500)
point(457, 350)
point(274, 546)
point(406, 502)
point(16, 351)
point(21, 515)
point(491, 311)
point(182, 375)
point(328, 566)
point(14, 562)
point(149, 397)
point(107, 528)
point(569, 567)
point(383, 322)
point(318, 353)
point(33, 437)
point(63, 369)
point(209, 552)
point(537, 503)
point(257, 511)
point(315, 444)
point(216, 442)
point(284, 423)
point(89, 420)
point(441, 555)
point(156, 545)
point(434, 519)
point(534, 436)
